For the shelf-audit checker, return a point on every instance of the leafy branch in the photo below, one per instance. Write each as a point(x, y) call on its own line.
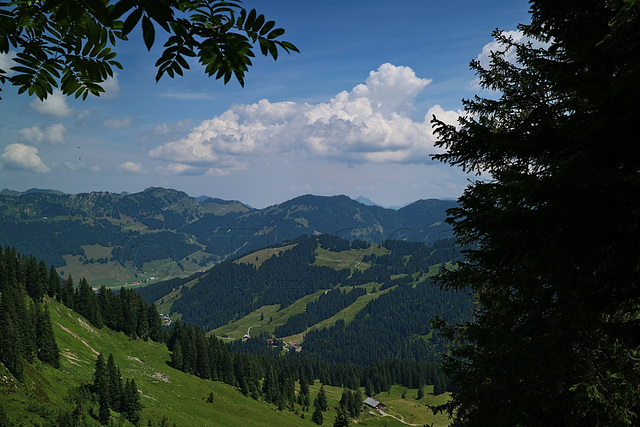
point(70, 44)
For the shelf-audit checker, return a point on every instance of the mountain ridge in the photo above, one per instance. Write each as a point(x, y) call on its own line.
point(164, 233)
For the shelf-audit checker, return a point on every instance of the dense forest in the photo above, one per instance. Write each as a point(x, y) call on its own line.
point(25, 324)
point(393, 326)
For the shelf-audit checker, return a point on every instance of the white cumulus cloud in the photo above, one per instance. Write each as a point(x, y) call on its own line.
point(131, 167)
point(55, 105)
point(24, 157)
point(53, 134)
point(370, 123)
point(111, 87)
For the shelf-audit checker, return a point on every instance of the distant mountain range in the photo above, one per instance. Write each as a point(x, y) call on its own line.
point(159, 233)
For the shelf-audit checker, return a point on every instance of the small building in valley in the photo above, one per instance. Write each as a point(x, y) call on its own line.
point(374, 403)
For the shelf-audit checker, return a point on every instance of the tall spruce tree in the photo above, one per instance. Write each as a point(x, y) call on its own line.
point(54, 287)
point(12, 350)
point(48, 350)
point(555, 269)
point(131, 405)
point(115, 384)
point(317, 416)
point(321, 399)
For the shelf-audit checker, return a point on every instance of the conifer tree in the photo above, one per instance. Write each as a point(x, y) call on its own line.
point(48, 350)
point(368, 388)
point(304, 398)
point(11, 346)
point(342, 418)
point(321, 399)
point(67, 292)
point(345, 399)
point(552, 231)
point(33, 280)
point(317, 416)
point(131, 405)
point(240, 373)
point(440, 385)
point(86, 303)
point(54, 288)
point(176, 356)
point(115, 383)
point(101, 377)
point(27, 318)
point(101, 387)
point(155, 323)
point(355, 405)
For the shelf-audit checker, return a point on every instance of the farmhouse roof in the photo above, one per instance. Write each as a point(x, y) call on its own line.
point(371, 402)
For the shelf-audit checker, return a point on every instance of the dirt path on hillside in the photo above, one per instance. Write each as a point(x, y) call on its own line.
point(384, 414)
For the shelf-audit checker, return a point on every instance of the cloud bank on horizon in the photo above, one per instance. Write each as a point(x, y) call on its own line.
point(369, 124)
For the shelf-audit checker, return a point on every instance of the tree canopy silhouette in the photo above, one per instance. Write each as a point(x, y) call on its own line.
point(555, 274)
point(70, 44)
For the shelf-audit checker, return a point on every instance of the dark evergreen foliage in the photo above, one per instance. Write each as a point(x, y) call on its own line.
point(317, 416)
point(114, 394)
point(48, 350)
point(320, 401)
point(131, 406)
point(51, 240)
point(25, 325)
point(390, 327)
point(342, 418)
point(555, 337)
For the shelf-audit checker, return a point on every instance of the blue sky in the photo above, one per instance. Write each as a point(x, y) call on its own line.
point(348, 115)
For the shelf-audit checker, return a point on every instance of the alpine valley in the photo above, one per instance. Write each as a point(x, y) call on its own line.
point(317, 299)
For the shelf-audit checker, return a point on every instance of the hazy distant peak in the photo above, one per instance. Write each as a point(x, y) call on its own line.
point(365, 201)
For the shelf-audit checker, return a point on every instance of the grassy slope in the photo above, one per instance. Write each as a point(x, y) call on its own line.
point(171, 393)
point(165, 391)
point(347, 314)
point(273, 317)
point(258, 257)
point(114, 274)
point(350, 259)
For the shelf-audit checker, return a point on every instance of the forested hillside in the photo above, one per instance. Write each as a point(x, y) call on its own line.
point(160, 233)
point(349, 302)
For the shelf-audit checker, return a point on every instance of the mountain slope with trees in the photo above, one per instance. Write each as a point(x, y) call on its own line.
point(113, 238)
point(390, 297)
